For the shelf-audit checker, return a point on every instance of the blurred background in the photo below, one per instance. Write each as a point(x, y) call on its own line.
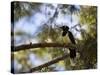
point(39, 22)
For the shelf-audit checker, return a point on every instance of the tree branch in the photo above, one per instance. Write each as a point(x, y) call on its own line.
point(40, 45)
point(47, 63)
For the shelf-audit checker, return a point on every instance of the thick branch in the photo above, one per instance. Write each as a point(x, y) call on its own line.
point(48, 63)
point(40, 45)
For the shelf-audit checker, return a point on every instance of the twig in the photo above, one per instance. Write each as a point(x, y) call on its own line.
point(47, 63)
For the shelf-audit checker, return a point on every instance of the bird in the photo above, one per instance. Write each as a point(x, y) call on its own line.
point(66, 31)
point(72, 39)
point(72, 50)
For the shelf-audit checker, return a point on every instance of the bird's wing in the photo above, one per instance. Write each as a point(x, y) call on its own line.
point(71, 37)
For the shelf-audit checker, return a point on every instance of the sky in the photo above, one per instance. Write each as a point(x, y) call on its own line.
point(32, 24)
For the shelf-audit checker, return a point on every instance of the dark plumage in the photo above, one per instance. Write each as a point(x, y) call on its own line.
point(65, 30)
point(71, 37)
point(72, 53)
point(64, 33)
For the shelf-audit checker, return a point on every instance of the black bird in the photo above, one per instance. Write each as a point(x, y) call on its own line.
point(72, 50)
point(65, 30)
point(71, 37)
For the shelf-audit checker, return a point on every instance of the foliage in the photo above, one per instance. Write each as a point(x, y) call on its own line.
point(87, 46)
point(22, 9)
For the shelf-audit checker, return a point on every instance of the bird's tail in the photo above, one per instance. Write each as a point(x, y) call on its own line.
point(72, 53)
point(72, 57)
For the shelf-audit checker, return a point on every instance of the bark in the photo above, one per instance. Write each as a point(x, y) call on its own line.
point(40, 45)
point(62, 57)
